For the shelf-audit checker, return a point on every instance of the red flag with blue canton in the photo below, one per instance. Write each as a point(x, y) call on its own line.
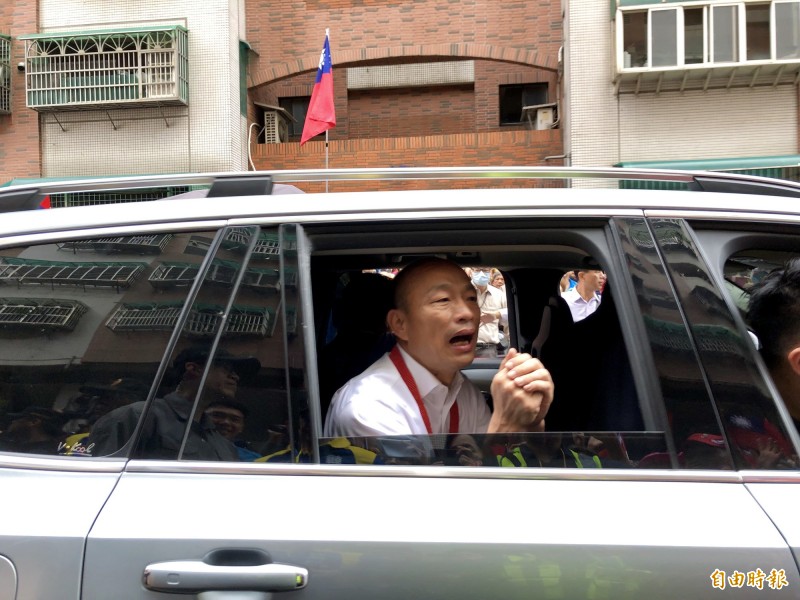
point(321, 114)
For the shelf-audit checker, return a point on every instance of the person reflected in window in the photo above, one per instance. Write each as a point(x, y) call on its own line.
point(97, 400)
point(229, 417)
point(163, 430)
point(417, 388)
point(773, 313)
point(584, 298)
point(34, 430)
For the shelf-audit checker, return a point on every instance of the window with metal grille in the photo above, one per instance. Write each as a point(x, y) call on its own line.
point(107, 67)
point(40, 314)
point(32, 272)
point(5, 74)
point(131, 244)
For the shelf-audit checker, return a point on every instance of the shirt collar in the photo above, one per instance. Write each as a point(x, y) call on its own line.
point(425, 380)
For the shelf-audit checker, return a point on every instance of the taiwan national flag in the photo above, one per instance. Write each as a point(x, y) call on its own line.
point(321, 115)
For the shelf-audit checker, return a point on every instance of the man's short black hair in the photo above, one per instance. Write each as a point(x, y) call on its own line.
point(773, 311)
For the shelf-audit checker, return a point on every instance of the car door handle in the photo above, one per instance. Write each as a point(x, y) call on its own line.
point(225, 570)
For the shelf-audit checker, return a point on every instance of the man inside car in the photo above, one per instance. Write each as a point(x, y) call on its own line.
point(774, 315)
point(418, 388)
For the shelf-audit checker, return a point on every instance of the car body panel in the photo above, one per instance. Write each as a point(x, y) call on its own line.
point(780, 499)
point(46, 516)
point(442, 537)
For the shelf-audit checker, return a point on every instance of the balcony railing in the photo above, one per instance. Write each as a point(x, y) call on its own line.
point(85, 70)
point(5, 74)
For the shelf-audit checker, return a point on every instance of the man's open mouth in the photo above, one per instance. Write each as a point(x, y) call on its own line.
point(462, 339)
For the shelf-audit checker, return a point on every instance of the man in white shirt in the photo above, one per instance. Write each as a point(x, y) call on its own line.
point(418, 388)
point(584, 298)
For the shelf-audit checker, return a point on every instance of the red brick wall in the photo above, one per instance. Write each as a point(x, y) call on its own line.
point(411, 112)
point(19, 131)
point(511, 43)
point(521, 147)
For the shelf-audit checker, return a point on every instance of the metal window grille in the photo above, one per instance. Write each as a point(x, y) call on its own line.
point(168, 275)
point(93, 198)
point(144, 317)
point(134, 244)
point(203, 320)
point(5, 74)
point(39, 272)
point(109, 67)
point(172, 274)
point(40, 313)
point(267, 245)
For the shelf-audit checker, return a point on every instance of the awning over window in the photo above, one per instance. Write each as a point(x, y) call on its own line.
point(778, 167)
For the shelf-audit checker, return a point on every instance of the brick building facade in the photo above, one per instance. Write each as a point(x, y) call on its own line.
point(469, 66)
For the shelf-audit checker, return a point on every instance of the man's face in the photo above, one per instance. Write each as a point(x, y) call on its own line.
point(229, 421)
point(593, 281)
point(439, 322)
point(222, 380)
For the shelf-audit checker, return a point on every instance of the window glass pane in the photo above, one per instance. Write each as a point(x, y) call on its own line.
point(664, 42)
point(746, 410)
point(234, 396)
point(635, 39)
point(84, 325)
point(514, 97)
point(787, 30)
point(297, 107)
point(726, 34)
point(772, 279)
point(696, 439)
point(598, 413)
point(694, 31)
point(757, 31)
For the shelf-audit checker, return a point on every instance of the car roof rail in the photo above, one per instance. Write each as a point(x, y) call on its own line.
point(241, 186)
point(258, 183)
point(712, 183)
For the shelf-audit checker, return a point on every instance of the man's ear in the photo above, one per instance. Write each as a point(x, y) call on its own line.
point(396, 319)
point(794, 360)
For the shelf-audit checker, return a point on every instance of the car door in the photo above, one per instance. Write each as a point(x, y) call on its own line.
point(317, 529)
point(60, 366)
point(736, 257)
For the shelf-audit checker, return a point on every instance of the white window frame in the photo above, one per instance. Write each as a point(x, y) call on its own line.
point(709, 9)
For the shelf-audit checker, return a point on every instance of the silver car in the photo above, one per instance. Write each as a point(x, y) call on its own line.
point(668, 467)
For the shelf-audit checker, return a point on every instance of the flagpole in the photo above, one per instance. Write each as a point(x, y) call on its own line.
point(328, 37)
point(326, 159)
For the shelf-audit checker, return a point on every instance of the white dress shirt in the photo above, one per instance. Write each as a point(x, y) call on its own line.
point(378, 402)
point(579, 307)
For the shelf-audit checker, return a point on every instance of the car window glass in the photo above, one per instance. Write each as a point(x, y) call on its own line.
point(752, 427)
point(84, 324)
point(596, 414)
point(223, 394)
point(765, 286)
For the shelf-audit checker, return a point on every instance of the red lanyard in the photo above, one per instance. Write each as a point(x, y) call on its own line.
point(402, 368)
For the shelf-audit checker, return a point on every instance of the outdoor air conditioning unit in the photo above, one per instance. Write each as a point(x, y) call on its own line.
point(276, 127)
point(545, 117)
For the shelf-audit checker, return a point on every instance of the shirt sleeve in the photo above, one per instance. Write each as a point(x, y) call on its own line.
point(113, 430)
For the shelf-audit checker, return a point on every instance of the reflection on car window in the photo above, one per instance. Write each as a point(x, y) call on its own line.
point(83, 327)
point(223, 396)
point(562, 450)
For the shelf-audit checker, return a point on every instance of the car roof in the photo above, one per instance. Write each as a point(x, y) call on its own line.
point(600, 200)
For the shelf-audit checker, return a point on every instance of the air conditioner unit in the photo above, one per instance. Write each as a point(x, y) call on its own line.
point(276, 127)
point(545, 117)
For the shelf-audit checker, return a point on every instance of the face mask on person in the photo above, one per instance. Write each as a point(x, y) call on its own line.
point(480, 278)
